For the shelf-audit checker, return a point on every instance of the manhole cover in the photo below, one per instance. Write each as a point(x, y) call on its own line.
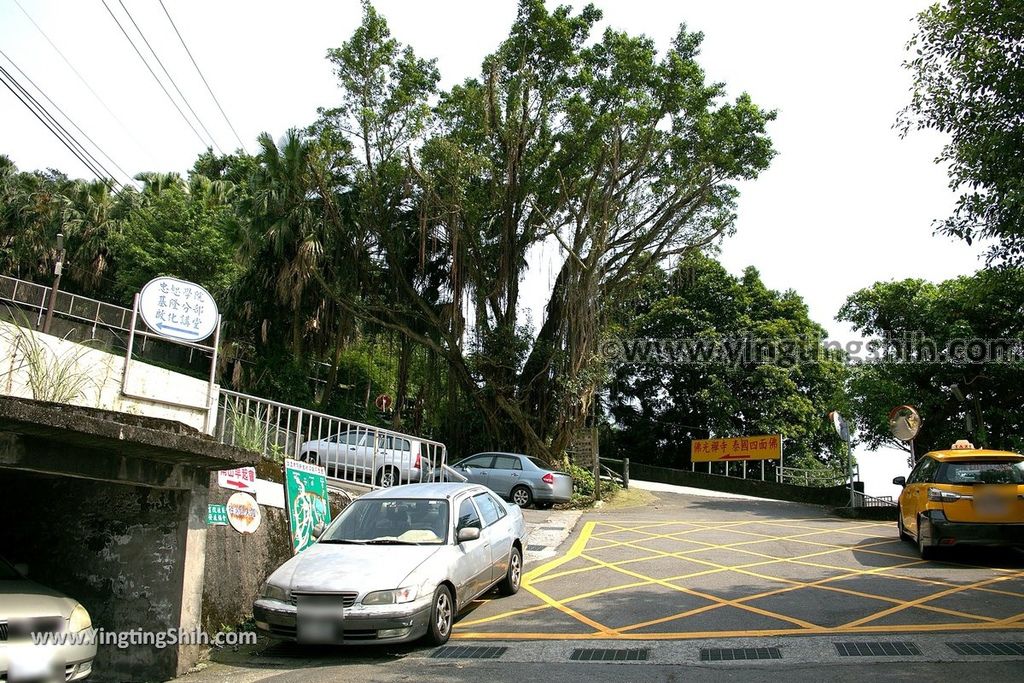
point(1002, 649)
point(598, 654)
point(893, 649)
point(728, 654)
point(468, 652)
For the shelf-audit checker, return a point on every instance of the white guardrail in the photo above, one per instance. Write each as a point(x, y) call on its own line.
point(351, 452)
point(817, 478)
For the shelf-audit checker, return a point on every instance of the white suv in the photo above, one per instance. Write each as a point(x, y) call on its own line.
point(355, 455)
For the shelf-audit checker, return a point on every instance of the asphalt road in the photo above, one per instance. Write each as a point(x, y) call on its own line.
point(688, 584)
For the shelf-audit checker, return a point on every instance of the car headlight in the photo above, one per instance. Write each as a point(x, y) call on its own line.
point(79, 620)
point(272, 592)
point(392, 597)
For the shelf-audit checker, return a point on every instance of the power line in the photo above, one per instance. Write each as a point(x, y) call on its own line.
point(170, 78)
point(57, 130)
point(64, 114)
point(199, 71)
point(41, 113)
point(153, 73)
point(82, 79)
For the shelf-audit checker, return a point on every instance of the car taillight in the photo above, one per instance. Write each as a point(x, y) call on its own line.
point(940, 496)
point(417, 465)
point(548, 478)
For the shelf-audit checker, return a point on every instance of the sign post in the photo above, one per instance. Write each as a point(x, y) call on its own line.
point(181, 312)
point(305, 488)
point(844, 432)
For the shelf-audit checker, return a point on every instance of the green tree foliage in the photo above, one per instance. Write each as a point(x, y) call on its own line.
point(602, 147)
point(179, 228)
point(913, 321)
point(658, 405)
point(382, 248)
point(968, 72)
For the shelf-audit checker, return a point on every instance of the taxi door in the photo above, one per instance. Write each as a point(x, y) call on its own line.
point(914, 498)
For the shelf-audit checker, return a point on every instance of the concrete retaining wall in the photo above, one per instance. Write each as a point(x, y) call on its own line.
point(832, 496)
point(238, 564)
point(115, 548)
point(97, 375)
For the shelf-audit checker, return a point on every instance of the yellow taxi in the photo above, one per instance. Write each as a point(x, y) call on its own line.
point(963, 496)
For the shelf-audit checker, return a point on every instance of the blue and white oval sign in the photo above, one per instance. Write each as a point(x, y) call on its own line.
point(177, 309)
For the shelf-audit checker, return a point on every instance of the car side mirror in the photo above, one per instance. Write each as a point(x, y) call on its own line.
point(21, 568)
point(318, 530)
point(900, 481)
point(468, 533)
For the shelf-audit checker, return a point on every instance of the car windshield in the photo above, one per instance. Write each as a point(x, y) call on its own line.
point(7, 572)
point(391, 521)
point(982, 472)
point(538, 462)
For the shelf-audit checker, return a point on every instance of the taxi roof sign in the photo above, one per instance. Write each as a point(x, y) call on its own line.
point(963, 445)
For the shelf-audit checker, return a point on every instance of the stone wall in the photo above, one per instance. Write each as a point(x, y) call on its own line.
point(238, 564)
point(113, 547)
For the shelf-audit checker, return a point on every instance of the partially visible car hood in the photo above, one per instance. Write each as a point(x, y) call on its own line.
point(24, 599)
point(332, 567)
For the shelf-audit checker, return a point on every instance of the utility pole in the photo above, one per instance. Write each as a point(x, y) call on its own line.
point(58, 268)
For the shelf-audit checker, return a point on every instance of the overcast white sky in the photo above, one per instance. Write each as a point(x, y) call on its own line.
point(846, 202)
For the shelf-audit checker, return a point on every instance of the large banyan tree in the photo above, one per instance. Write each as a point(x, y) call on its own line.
point(598, 148)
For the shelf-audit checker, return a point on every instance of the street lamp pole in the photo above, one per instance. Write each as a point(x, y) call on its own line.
point(58, 268)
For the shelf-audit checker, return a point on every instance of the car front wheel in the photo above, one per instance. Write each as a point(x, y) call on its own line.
point(510, 584)
point(387, 477)
point(442, 614)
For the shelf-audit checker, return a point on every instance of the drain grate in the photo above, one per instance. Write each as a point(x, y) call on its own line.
point(535, 548)
point(893, 649)
point(598, 654)
point(469, 652)
point(1004, 649)
point(552, 528)
point(729, 654)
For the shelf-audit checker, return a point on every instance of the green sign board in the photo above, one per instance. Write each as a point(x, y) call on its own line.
point(217, 514)
point(305, 488)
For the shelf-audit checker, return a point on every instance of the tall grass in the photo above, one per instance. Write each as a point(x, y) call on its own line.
point(253, 432)
point(51, 375)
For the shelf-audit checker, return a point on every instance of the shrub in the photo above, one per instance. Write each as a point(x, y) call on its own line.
point(583, 483)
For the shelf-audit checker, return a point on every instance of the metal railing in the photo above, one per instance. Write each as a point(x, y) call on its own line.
point(758, 470)
point(863, 500)
point(351, 452)
point(815, 478)
point(34, 297)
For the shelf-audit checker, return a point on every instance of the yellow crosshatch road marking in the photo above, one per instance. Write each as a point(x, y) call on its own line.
point(598, 536)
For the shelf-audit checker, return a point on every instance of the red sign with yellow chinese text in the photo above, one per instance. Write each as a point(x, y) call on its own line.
point(768, 447)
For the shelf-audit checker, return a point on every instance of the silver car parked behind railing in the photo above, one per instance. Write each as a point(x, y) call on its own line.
point(360, 454)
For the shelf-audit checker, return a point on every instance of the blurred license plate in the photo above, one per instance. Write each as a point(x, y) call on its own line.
point(319, 619)
point(991, 506)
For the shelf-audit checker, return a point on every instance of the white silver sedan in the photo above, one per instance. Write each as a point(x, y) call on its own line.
point(396, 565)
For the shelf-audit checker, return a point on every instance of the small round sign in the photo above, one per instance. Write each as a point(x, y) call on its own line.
point(178, 309)
point(383, 402)
point(244, 513)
